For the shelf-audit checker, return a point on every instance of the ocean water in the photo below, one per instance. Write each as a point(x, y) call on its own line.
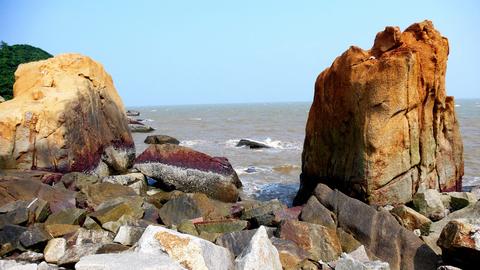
point(273, 172)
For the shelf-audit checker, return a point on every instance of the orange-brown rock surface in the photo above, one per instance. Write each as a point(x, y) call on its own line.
point(65, 116)
point(381, 126)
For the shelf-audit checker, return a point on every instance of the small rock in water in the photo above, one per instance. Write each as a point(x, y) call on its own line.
point(252, 144)
point(132, 113)
point(140, 128)
point(161, 139)
point(250, 169)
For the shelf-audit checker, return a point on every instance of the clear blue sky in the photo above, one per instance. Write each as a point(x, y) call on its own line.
point(190, 52)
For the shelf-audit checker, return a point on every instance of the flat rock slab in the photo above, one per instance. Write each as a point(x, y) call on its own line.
point(128, 261)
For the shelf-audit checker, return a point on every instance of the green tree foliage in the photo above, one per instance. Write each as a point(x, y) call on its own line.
point(10, 58)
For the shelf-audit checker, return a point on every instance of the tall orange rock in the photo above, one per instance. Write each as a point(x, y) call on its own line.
point(381, 126)
point(66, 115)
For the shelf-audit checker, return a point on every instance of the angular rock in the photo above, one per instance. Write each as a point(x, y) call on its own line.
point(411, 219)
point(290, 254)
point(190, 206)
point(358, 260)
point(112, 248)
point(34, 235)
point(16, 189)
point(347, 241)
point(64, 115)
point(91, 224)
point(263, 213)
point(320, 242)
point(139, 127)
point(182, 168)
point(221, 226)
point(189, 251)
point(160, 139)
point(127, 261)
point(56, 230)
point(15, 213)
point(236, 242)
point(259, 254)
point(128, 235)
point(381, 126)
point(378, 231)
point(287, 214)
point(187, 227)
point(10, 238)
point(315, 212)
point(13, 265)
point(92, 236)
point(429, 204)
point(252, 144)
point(101, 192)
point(78, 180)
point(55, 249)
point(30, 256)
point(114, 212)
point(459, 200)
point(74, 253)
point(460, 243)
point(72, 216)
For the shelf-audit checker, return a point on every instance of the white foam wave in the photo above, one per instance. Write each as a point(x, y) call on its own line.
point(195, 119)
point(154, 110)
point(458, 105)
point(190, 143)
point(275, 144)
point(149, 120)
point(250, 170)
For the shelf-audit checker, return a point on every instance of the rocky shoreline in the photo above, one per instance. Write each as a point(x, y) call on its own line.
point(380, 183)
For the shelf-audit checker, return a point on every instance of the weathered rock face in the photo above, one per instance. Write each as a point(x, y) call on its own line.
point(381, 127)
point(65, 116)
point(187, 170)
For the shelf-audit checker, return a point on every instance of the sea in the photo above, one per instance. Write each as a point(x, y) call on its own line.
point(271, 172)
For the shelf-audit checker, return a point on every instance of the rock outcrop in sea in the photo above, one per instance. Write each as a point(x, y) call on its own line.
point(381, 127)
point(65, 116)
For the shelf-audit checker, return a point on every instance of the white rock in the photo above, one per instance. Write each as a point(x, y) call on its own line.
point(46, 266)
point(127, 261)
point(259, 254)
point(358, 260)
point(190, 251)
point(55, 249)
point(429, 204)
point(128, 235)
point(13, 265)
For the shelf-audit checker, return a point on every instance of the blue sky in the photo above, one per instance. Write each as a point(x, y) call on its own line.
point(192, 52)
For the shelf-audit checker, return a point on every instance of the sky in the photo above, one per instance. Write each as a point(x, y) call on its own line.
point(208, 52)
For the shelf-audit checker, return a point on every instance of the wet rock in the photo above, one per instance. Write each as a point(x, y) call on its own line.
point(221, 226)
point(182, 168)
point(460, 243)
point(72, 216)
point(132, 113)
point(381, 122)
point(429, 204)
point(411, 219)
point(56, 230)
point(30, 256)
point(140, 128)
point(55, 249)
point(101, 192)
point(315, 212)
point(378, 231)
point(259, 254)
point(320, 242)
point(190, 206)
point(290, 254)
point(128, 261)
point(128, 235)
point(76, 111)
point(189, 251)
point(28, 190)
point(161, 139)
point(34, 235)
point(252, 144)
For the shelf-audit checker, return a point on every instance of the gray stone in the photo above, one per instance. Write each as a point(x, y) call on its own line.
point(34, 235)
point(73, 216)
point(161, 139)
point(358, 260)
point(259, 254)
point(315, 212)
point(78, 180)
point(13, 265)
point(128, 235)
point(74, 253)
point(128, 261)
point(429, 204)
point(29, 256)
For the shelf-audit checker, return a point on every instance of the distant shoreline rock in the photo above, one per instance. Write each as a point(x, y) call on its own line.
point(252, 144)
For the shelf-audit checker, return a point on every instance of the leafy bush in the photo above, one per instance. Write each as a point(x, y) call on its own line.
point(10, 58)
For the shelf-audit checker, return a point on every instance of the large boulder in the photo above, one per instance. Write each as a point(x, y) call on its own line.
point(259, 254)
point(182, 168)
point(381, 127)
point(65, 116)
